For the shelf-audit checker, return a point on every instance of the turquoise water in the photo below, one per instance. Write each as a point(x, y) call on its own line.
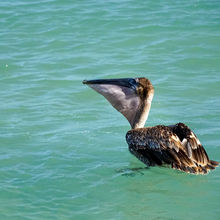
point(63, 153)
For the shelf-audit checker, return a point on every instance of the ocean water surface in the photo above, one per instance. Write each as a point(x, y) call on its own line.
point(63, 153)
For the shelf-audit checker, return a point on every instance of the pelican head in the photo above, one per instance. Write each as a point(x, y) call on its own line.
point(130, 96)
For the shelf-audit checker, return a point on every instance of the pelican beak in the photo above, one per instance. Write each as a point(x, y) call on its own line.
point(123, 82)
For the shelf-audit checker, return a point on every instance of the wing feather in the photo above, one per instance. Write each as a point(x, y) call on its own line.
point(194, 149)
point(176, 145)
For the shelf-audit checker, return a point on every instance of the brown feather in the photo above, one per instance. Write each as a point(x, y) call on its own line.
point(175, 145)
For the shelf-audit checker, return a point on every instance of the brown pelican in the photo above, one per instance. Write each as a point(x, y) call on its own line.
point(174, 145)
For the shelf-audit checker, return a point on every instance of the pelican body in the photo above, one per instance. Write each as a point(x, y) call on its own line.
point(174, 145)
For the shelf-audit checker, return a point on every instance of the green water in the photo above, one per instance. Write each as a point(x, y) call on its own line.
point(63, 153)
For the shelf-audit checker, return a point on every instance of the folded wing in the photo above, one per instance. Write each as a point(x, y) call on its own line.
point(176, 145)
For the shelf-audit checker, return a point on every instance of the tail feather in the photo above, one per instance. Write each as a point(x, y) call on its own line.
point(199, 169)
point(214, 163)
